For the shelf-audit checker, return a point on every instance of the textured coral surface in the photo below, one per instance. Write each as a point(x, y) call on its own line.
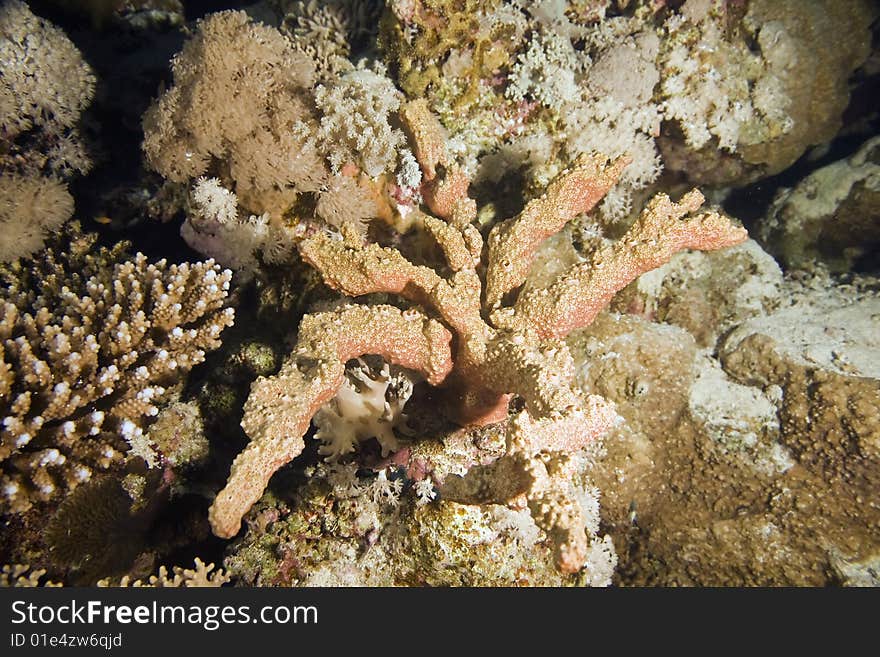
point(486, 330)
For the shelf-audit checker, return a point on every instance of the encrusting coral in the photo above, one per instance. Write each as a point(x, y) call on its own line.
point(752, 461)
point(461, 334)
point(720, 92)
point(87, 343)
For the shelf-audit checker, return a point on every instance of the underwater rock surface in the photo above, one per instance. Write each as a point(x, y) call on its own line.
point(485, 333)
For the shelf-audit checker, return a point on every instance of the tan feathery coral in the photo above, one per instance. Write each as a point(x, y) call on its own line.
point(237, 94)
point(491, 360)
point(31, 207)
point(45, 80)
point(45, 85)
point(83, 358)
point(320, 31)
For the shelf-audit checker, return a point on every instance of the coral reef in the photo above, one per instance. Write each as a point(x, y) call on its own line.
point(477, 343)
point(481, 364)
point(88, 344)
point(44, 88)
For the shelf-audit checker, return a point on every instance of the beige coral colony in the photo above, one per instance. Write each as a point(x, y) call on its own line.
point(440, 293)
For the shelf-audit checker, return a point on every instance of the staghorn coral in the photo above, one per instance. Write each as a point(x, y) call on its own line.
point(87, 344)
point(480, 349)
point(198, 577)
point(21, 575)
point(201, 576)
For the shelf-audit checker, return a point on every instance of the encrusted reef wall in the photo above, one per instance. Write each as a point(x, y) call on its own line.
point(486, 331)
point(764, 471)
point(829, 216)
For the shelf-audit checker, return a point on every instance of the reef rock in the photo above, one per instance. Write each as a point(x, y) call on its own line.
point(762, 469)
point(832, 215)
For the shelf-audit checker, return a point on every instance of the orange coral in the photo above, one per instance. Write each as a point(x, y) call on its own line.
point(518, 351)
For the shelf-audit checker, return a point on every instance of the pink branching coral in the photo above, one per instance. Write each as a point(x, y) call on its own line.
point(468, 334)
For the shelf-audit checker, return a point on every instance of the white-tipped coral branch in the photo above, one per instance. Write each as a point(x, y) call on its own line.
point(85, 349)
